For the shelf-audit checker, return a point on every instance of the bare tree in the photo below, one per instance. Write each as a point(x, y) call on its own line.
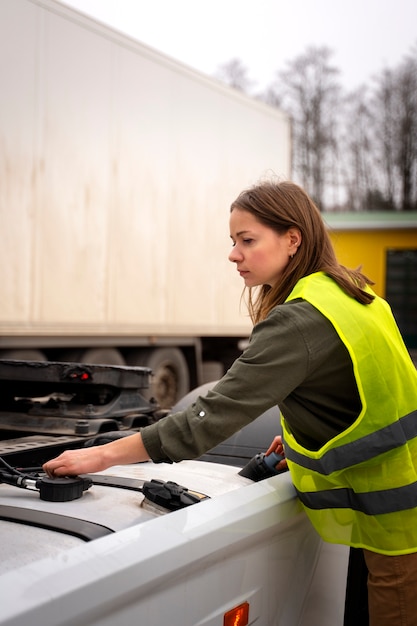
point(357, 160)
point(407, 132)
point(395, 120)
point(384, 111)
point(271, 96)
point(311, 95)
point(234, 74)
point(357, 151)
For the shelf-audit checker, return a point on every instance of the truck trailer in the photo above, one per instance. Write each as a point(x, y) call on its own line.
point(118, 167)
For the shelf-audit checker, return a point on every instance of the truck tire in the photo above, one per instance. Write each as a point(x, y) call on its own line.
point(170, 379)
point(95, 356)
point(103, 356)
point(23, 355)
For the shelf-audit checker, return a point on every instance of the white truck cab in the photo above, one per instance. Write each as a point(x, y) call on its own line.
point(188, 544)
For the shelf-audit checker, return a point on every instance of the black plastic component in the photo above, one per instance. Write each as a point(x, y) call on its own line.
point(34, 378)
point(62, 489)
point(48, 397)
point(87, 531)
point(170, 495)
point(262, 466)
point(118, 482)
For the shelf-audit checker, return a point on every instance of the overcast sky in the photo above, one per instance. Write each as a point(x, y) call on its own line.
point(365, 35)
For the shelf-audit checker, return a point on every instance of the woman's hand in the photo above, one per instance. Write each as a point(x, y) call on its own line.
point(74, 462)
point(277, 446)
point(98, 458)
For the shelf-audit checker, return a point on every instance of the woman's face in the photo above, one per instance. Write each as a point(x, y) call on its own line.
point(260, 253)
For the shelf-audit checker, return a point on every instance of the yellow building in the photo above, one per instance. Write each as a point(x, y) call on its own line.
point(385, 245)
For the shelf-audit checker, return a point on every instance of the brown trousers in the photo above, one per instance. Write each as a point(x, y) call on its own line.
point(392, 589)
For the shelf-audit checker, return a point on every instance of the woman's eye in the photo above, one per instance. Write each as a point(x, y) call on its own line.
point(247, 241)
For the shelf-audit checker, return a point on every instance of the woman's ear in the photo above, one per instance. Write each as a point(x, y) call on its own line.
point(295, 239)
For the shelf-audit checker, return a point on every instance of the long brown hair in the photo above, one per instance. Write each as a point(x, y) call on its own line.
point(284, 205)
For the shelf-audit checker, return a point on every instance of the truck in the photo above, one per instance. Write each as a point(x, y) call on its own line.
point(218, 541)
point(118, 167)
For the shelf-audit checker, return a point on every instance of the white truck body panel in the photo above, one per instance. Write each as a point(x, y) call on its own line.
point(118, 167)
point(249, 542)
point(105, 548)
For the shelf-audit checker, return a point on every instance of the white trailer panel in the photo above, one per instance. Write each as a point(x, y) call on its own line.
point(119, 166)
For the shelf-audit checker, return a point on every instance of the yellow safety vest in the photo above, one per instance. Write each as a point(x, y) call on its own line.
point(360, 488)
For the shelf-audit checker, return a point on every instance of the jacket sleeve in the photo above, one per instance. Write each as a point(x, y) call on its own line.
point(275, 362)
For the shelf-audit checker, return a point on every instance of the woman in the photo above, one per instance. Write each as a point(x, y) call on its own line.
point(327, 350)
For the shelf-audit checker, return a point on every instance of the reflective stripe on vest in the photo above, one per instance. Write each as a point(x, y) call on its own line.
point(360, 450)
point(370, 503)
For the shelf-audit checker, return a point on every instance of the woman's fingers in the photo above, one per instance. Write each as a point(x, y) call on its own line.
point(276, 446)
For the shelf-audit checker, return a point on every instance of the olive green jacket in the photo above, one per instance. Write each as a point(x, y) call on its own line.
point(294, 359)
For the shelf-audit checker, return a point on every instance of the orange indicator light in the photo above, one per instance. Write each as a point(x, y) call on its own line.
point(239, 616)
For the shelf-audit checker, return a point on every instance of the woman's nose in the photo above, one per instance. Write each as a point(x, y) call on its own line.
point(235, 255)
